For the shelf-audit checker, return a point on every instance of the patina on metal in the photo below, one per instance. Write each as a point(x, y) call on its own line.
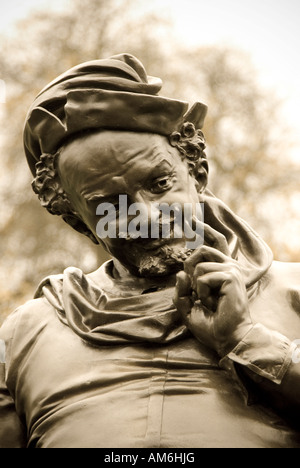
point(162, 346)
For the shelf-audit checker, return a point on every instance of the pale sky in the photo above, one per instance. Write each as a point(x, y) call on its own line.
point(268, 29)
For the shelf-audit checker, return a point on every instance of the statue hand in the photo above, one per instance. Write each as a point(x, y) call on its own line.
point(211, 297)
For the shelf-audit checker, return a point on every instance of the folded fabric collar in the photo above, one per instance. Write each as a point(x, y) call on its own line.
point(100, 316)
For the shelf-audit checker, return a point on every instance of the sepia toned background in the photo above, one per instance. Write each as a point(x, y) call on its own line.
point(240, 58)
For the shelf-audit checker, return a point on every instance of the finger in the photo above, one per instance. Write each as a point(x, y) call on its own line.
point(204, 254)
point(216, 240)
point(210, 267)
point(212, 237)
point(182, 297)
point(184, 306)
point(202, 290)
point(205, 284)
point(204, 269)
point(207, 288)
point(183, 284)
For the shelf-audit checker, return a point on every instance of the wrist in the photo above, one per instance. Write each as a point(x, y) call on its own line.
point(235, 338)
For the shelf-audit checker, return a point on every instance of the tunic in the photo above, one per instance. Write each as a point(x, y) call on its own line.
point(152, 386)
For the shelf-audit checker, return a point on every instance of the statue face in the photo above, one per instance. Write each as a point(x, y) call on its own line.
point(99, 167)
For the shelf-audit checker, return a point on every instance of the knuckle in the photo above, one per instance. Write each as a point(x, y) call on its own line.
point(206, 248)
point(234, 273)
point(198, 270)
point(181, 276)
point(198, 282)
point(196, 257)
point(220, 237)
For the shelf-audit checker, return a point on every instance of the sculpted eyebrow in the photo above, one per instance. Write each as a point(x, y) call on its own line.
point(164, 166)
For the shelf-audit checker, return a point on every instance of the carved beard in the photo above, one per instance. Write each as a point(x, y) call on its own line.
point(167, 260)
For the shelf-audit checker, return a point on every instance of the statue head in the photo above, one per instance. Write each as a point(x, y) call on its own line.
point(101, 130)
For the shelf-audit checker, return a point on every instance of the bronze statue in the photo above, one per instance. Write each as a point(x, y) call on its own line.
point(164, 345)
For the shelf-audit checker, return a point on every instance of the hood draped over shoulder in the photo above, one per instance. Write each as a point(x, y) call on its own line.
point(105, 310)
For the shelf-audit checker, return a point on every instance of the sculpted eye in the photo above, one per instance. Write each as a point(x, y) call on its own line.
point(161, 184)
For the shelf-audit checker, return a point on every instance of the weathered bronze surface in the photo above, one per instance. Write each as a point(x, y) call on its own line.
point(162, 346)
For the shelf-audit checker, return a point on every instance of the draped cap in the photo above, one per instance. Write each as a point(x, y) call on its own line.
point(113, 93)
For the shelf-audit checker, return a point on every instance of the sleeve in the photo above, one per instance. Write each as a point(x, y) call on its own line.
point(265, 352)
point(12, 431)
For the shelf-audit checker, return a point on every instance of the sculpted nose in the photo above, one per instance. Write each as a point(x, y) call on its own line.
point(138, 197)
point(143, 205)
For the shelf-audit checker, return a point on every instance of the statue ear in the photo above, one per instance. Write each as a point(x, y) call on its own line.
point(76, 223)
point(200, 172)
